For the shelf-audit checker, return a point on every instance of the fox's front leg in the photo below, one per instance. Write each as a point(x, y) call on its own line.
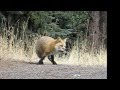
point(51, 58)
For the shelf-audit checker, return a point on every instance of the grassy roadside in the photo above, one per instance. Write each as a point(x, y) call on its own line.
point(23, 49)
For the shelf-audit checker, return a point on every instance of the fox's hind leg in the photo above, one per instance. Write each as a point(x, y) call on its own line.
point(41, 60)
point(51, 58)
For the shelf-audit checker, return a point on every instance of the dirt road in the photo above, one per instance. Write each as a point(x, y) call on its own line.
point(23, 70)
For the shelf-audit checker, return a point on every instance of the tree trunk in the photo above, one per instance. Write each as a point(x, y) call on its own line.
point(97, 30)
point(94, 30)
point(103, 28)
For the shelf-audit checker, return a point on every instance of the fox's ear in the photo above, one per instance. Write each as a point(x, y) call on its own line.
point(65, 39)
point(58, 39)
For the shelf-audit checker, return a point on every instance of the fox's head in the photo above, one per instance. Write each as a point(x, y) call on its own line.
point(60, 45)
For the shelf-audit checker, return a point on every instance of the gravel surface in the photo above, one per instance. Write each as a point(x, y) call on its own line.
point(23, 70)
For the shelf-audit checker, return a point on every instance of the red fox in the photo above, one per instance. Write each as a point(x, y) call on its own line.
point(48, 46)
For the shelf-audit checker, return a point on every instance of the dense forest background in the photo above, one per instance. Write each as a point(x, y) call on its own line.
point(81, 25)
point(86, 32)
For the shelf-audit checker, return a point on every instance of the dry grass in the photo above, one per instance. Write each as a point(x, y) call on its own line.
point(16, 51)
point(86, 59)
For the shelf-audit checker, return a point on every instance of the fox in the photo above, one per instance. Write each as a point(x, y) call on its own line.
point(47, 46)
